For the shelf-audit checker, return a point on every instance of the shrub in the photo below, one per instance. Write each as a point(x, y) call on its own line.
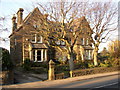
point(39, 70)
point(27, 64)
point(105, 63)
point(6, 61)
point(115, 62)
point(91, 65)
point(39, 64)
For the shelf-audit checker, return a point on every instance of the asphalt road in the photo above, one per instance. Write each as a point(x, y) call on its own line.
point(88, 82)
point(92, 84)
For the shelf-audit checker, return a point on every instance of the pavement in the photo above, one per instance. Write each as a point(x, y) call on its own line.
point(24, 77)
point(48, 83)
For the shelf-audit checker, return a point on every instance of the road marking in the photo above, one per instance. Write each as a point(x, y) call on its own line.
point(107, 85)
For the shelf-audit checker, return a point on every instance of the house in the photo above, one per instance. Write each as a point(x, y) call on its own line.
point(25, 42)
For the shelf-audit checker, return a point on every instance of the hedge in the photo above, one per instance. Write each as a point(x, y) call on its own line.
point(94, 71)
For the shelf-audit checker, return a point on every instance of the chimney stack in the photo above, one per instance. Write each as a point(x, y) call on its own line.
point(14, 24)
point(19, 16)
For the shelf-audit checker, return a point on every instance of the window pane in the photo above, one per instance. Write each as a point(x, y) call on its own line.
point(34, 55)
point(62, 43)
point(39, 38)
point(33, 38)
point(39, 55)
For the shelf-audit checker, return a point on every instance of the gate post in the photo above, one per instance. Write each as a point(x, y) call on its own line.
point(51, 75)
point(71, 73)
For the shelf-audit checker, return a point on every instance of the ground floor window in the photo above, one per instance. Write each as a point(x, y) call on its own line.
point(39, 55)
point(88, 54)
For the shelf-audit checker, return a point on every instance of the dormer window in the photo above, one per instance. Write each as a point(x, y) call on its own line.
point(35, 26)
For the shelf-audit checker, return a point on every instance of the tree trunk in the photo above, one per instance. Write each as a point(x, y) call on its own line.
point(82, 53)
point(95, 56)
point(71, 63)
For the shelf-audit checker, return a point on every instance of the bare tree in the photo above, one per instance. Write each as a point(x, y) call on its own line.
point(3, 28)
point(102, 17)
point(60, 26)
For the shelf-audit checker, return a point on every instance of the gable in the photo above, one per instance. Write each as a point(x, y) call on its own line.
point(83, 24)
point(33, 17)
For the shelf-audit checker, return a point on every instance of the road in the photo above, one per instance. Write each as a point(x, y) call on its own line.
point(101, 82)
point(88, 82)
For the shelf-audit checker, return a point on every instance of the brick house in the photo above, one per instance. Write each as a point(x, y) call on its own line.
point(26, 43)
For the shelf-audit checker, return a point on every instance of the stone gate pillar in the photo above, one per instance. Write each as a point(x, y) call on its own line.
point(51, 75)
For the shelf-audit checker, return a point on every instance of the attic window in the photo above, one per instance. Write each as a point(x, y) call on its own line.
point(35, 26)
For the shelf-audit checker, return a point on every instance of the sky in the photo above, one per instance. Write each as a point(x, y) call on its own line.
point(10, 7)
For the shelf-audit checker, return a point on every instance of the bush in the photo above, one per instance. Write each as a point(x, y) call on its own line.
point(115, 62)
point(35, 67)
point(84, 65)
point(39, 70)
point(6, 61)
point(39, 64)
point(27, 64)
point(106, 63)
point(96, 70)
point(91, 65)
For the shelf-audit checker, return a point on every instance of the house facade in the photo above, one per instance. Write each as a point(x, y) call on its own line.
point(26, 42)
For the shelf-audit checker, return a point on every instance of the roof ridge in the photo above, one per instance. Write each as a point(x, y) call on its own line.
point(28, 16)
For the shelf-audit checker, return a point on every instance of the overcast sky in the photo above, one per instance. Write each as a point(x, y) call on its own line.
point(10, 7)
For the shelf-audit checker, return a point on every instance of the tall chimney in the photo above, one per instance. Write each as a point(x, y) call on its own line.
point(14, 24)
point(19, 16)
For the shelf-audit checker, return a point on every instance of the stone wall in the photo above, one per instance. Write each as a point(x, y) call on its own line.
point(6, 77)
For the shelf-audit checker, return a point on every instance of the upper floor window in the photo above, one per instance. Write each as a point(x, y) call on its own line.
point(33, 38)
point(62, 43)
point(82, 41)
point(87, 41)
point(37, 38)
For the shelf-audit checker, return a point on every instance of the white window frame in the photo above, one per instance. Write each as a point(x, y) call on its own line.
point(83, 41)
point(43, 55)
point(89, 54)
point(36, 39)
point(41, 39)
point(87, 42)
